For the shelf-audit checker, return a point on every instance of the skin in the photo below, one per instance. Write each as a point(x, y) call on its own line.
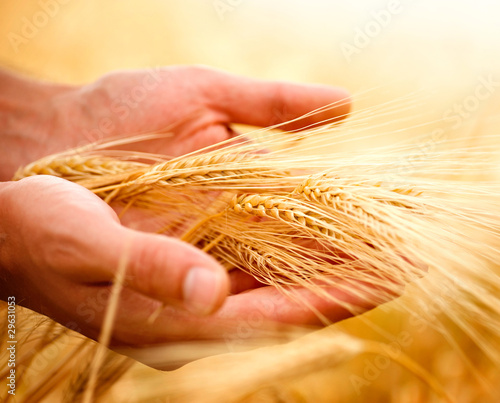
point(60, 245)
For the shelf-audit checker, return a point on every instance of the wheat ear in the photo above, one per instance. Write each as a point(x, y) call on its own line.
point(283, 209)
point(76, 167)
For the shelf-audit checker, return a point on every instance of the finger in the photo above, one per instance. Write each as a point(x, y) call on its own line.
point(256, 313)
point(305, 307)
point(211, 136)
point(267, 103)
point(132, 325)
point(241, 281)
point(159, 267)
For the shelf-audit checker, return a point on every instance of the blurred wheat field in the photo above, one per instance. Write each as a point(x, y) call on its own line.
point(429, 60)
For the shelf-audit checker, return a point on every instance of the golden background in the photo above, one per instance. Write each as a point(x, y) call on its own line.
point(435, 50)
point(434, 53)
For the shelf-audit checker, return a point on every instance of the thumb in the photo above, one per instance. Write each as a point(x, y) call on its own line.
point(168, 270)
point(68, 232)
point(272, 102)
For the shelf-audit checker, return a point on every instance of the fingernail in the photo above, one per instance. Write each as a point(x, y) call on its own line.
point(201, 290)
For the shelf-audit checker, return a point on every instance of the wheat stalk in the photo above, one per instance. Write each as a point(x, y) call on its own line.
point(284, 209)
point(331, 191)
point(76, 167)
point(205, 169)
point(362, 229)
point(313, 352)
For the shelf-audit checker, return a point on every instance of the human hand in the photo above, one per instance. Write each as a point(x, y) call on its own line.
point(61, 248)
point(197, 104)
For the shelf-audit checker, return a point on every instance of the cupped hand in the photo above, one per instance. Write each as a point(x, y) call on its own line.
point(62, 244)
point(195, 105)
point(61, 249)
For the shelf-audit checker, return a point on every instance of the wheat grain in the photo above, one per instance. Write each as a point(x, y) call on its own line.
point(284, 209)
point(259, 264)
point(377, 229)
point(330, 191)
point(77, 167)
point(207, 169)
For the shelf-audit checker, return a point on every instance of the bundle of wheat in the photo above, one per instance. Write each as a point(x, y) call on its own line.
point(351, 221)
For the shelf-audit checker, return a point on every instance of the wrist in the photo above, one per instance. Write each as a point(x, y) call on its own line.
point(26, 120)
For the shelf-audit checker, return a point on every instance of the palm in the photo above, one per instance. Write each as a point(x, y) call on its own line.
point(197, 115)
point(195, 106)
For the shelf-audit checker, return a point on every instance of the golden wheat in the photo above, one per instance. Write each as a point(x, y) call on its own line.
point(77, 167)
point(284, 209)
point(314, 222)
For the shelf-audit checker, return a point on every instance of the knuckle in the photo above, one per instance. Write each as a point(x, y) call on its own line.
point(149, 271)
